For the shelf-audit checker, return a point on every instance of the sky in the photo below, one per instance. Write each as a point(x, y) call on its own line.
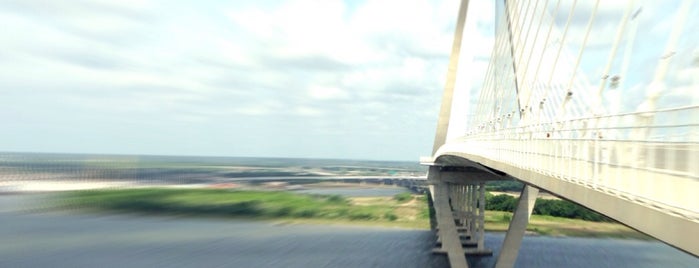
point(287, 78)
point(296, 78)
point(655, 70)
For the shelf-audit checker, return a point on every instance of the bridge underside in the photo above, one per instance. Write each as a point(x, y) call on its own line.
point(458, 192)
point(458, 168)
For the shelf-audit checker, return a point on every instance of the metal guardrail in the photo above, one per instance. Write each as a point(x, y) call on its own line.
point(624, 154)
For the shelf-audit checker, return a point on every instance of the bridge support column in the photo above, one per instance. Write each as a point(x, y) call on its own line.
point(451, 244)
point(467, 202)
point(475, 206)
point(481, 216)
point(518, 225)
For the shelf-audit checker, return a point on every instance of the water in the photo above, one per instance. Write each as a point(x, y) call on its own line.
point(24, 167)
point(56, 239)
point(87, 240)
point(543, 251)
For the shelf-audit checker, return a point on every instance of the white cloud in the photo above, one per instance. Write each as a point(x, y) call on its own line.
point(327, 93)
point(308, 111)
point(157, 66)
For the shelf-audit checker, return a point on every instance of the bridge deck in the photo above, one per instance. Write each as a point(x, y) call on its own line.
point(620, 197)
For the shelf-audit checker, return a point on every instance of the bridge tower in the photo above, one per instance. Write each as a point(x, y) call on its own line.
point(625, 145)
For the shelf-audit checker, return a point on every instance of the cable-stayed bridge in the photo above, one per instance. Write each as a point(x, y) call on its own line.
point(595, 102)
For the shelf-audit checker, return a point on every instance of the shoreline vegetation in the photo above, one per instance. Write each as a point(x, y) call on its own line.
point(403, 210)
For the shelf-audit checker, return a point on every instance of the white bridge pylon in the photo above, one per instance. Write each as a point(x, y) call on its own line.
point(595, 102)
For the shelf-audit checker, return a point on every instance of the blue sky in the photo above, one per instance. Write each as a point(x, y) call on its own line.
point(327, 79)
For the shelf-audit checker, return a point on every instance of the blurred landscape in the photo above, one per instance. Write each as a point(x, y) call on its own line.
point(144, 211)
point(47, 172)
point(364, 192)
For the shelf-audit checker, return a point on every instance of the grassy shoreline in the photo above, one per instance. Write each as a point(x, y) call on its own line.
point(401, 211)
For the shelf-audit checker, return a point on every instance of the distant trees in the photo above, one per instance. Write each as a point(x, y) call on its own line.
point(549, 207)
point(501, 202)
point(504, 186)
point(566, 209)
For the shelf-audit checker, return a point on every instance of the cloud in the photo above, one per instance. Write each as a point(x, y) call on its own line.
point(308, 111)
point(242, 73)
point(322, 93)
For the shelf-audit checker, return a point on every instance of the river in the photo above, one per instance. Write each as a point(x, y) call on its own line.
point(60, 239)
point(29, 238)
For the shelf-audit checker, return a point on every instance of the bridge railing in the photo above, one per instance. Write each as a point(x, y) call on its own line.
point(647, 157)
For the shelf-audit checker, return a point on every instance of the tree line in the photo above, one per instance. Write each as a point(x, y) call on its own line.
point(549, 207)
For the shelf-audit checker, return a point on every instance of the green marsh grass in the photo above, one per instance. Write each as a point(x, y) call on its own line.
point(402, 210)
